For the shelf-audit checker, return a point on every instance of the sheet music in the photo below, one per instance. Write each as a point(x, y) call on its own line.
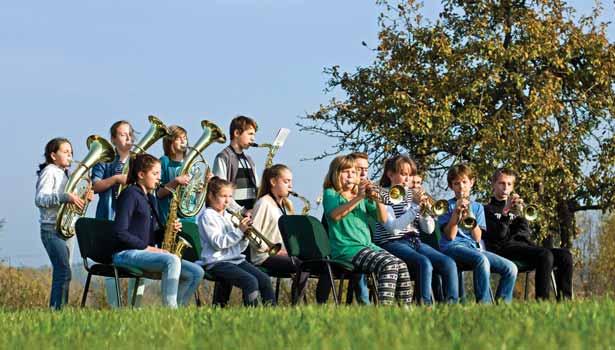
point(280, 137)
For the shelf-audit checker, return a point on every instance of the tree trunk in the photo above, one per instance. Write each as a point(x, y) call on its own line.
point(565, 222)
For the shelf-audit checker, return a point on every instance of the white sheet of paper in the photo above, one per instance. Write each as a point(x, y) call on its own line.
point(280, 137)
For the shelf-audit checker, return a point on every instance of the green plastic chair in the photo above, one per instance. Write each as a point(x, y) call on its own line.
point(96, 241)
point(306, 239)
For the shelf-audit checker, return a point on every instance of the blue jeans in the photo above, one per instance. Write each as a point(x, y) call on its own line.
point(59, 250)
point(252, 281)
point(180, 278)
point(482, 263)
point(361, 290)
point(112, 295)
point(424, 258)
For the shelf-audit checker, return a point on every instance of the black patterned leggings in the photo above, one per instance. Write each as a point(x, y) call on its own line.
point(392, 274)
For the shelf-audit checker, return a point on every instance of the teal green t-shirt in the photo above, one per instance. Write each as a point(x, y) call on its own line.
point(169, 169)
point(351, 233)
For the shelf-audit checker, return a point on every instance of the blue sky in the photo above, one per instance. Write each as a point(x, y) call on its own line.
point(73, 68)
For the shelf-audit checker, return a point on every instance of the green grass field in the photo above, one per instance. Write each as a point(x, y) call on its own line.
point(574, 325)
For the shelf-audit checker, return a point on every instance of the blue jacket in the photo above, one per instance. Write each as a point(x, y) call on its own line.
point(135, 225)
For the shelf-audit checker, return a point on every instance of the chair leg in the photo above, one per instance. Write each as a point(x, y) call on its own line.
point(332, 283)
point(462, 290)
point(491, 295)
point(117, 287)
point(197, 298)
point(527, 277)
point(350, 290)
point(134, 293)
point(294, 292)
point(277, 289)
point(554, 284)
point(85, 289)
point(340, 290)
point(375, 299)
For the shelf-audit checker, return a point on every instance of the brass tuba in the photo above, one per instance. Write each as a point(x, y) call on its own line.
point(255, 237)
point(100, 150)
point(156, 131)
point(192, 196)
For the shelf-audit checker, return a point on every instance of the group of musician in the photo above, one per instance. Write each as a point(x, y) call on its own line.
point(366, 228)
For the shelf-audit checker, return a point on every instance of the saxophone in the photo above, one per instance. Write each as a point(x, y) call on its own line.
point(192, 196)
point(273, 147)
point(156, 131)
point(306, 203)
point(100, 150)
point(172, 242)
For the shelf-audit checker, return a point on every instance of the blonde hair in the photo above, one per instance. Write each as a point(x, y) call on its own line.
point(338, 164)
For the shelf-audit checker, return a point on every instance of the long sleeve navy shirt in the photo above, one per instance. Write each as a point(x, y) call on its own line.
point(135, 224)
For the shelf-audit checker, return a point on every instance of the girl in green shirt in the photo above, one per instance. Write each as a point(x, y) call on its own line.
point(347, 210)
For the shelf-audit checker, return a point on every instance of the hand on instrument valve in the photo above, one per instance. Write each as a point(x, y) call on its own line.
point(183, 180)
point(245, 223)
point(368, 190)
point(177, 226)
point(462, 206)
point(76, 200)
point(419, 196)
point(514, 203)
point(90, 195)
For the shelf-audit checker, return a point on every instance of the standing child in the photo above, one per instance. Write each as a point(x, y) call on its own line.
point(106, 179)
point(136, 228)
point(223, 244)
point(52, 178)
point(175, 147)
point(235, 166)
point(463, 244)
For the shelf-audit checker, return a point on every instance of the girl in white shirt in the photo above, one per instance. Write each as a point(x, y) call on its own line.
point(272, 203)
point(223, 244)
point(52, 178)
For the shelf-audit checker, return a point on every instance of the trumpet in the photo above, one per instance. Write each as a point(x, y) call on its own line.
point(255, 237)
point(467, 221)
point(434, 207)
point(528, 212)
point(393, 195)
point(306, 203)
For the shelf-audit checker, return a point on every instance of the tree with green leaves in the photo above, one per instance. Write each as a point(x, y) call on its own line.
point(518, 83)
